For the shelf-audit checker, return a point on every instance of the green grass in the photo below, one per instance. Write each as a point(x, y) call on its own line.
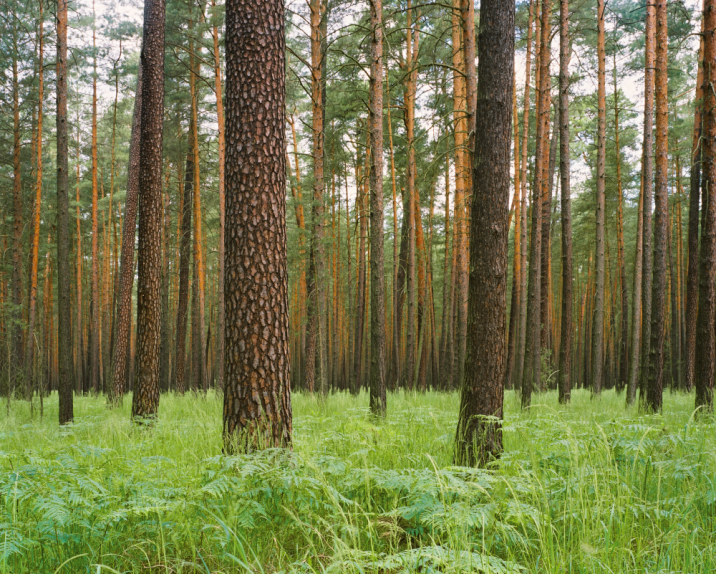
point(590, 488)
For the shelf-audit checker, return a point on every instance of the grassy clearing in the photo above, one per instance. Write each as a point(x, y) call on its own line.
point(587, 489)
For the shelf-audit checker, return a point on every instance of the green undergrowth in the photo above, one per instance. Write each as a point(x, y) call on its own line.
point(588, 488)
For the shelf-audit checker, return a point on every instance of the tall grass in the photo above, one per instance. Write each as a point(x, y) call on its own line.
point(584, 489)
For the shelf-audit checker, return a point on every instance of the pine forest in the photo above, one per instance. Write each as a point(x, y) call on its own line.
point(357, 286)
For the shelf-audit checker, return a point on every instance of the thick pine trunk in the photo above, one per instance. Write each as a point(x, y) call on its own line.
point(118, 370)
point(478, 440)
point(706, 337)
point(257, 392)
point(145, 400)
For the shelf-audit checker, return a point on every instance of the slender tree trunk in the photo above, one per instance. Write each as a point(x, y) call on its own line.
point(377, 290)
point(220, 323)
point(624, 338)
point(478, 440)
point(636, 303)
point(675, 353)
point(532, 372)
point(315, 355)
point(118, 369)
point(94, 300)
point(396, 325)
point(597, 373)
point(145, 400)
point(410, 93)
point(517, 259)
point(706, 336)
point(64, 311)
point(201, 380)
point(16, 355)
point(520, 359)
point(654, 390)
point(647, 169)
point(184, 259)
point(565, 350)
point(257, 392)
point(446, 328)
point(32, 306)
point(692, 279)
point(79, 337)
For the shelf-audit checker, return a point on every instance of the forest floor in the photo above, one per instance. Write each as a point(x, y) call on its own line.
point(593, 487)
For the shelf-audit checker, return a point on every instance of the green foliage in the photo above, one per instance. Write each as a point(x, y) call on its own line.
point(578, 490)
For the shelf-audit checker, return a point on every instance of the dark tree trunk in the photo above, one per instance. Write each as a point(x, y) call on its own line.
point(531, 375)
point(16, 326)
point(184, 259)
point(597, 371)
point(692, 279)
point(565, 351)
point(64, 274)
point(479, 439)
point(118, 370)
point(706, 337)
point(648, 177)
point(316, 342)
point(655, 386)
point(145, 400)
point(257, 392)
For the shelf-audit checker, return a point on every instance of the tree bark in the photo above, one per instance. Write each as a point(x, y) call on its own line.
point(145, 400)
point(655, 385)
point(257, 392)
point(32, 306)
point(706, 337)
point(531, 377)
point(692, 279)
point(624, 338)
point(220, 322)
point(16, 325)
point(647, 169)
point(118, 369)
point(520, 359)
point(64, 275)
point(184, 259)
point(94, 299)
point(200, 377)
point(597, 373)
point(315, 347)
point(565, 350)
point(479, 435)
point(377, 289)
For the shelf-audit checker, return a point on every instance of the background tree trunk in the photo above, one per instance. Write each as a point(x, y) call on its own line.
point(64, 314)
point(377, 290)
